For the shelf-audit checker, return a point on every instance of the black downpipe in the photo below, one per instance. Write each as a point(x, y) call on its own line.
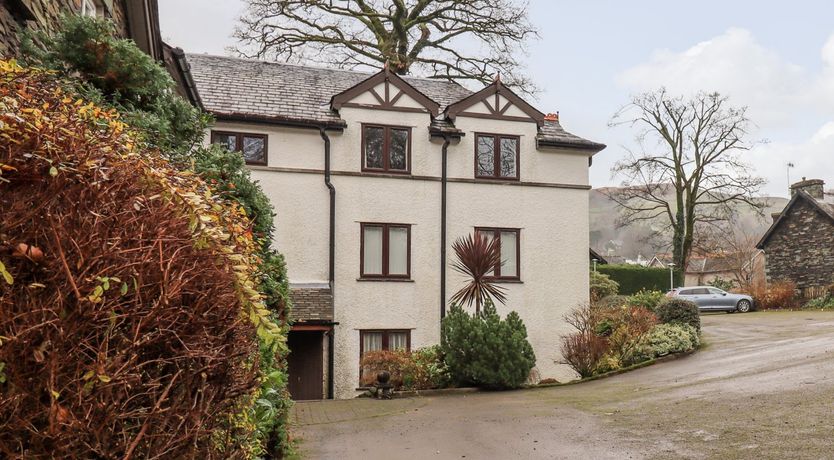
point(332, 257)
point(443, 181)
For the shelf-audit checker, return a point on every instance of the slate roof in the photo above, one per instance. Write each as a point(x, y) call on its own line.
point(235, 86)
point(552, 134)
point(273, 91)
point(312, 304)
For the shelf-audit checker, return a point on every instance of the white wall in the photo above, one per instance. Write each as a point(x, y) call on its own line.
point(553, 223)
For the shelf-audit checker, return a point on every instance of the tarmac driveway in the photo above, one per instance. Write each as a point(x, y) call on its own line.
point(762, 387)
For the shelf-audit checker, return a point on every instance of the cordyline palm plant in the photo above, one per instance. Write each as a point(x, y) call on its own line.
point(476, 257)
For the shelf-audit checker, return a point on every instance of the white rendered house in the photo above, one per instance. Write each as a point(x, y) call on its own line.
point(374, 176)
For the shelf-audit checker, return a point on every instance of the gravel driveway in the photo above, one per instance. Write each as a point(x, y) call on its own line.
point(762, 387)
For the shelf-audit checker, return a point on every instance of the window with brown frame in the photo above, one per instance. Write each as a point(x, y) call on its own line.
point(510, 247)
point(385, 251)
point(496, 156)
point(252, 146)
point(386, 149)
point(384, 339)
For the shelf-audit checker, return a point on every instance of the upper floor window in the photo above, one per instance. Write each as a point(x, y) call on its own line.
point(253, 146)
point(509, 244)
point(496, 156)
point(386, 149)
point(385, 251)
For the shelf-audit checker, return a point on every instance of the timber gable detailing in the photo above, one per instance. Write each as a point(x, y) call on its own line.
point(392, 91)
point(498, 100)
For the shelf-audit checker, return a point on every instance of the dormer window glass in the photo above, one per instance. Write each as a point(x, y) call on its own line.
point(386, 149)
point(496, 156)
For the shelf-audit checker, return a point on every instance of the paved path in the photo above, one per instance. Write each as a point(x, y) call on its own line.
point(762, 388)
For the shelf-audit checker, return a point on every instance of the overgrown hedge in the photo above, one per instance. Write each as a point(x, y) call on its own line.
point(633, 278)
point(130, 316)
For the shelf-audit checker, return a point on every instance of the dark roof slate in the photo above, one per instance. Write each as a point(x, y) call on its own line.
point(272, 91)
point(235, 86)
point(552, 134)
point(312, 304)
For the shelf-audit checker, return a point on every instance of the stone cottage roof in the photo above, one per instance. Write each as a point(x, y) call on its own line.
point(285, 93)
point(825, 209)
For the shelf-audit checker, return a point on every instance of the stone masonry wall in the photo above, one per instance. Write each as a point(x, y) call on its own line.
point(13, 17)
point(802, 248)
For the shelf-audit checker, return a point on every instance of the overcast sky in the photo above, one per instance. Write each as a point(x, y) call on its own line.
point(775, 57)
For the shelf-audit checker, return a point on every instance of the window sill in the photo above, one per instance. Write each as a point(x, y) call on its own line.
point(395, 280)
point(497, 180)
point(500, 281)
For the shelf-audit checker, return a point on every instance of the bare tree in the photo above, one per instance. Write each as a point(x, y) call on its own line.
point(456, 40)
point(734, 243)
point(688, 173)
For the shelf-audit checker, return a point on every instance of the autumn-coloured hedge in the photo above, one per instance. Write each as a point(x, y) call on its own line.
point(129, 313)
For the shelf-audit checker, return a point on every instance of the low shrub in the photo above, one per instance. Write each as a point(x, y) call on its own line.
point(665, 339)
point(724, 285)
point(486, 351)
point(628, 327)
point(421, 369)
point(777, 295)
point(675, 310)
point(646, 299)
point(820, 303)
point(605, 339)
point(583, 351)
point(602, 286)
point(398, 363)
point(612, 301)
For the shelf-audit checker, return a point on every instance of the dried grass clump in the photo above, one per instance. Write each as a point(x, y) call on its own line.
point(128, 318)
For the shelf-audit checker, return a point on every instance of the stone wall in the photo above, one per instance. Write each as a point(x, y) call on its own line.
point(45, 14)
point(802, 248)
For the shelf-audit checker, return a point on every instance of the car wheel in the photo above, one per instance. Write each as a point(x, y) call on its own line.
point(743, 306)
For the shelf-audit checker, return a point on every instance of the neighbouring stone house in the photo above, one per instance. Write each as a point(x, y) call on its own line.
point(799, 245)
point(137, 20)
point(374, 176)
point(742, 268)
point(134, 19)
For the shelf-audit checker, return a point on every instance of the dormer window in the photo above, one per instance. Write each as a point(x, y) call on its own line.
point(496, 156)
point(386, 149)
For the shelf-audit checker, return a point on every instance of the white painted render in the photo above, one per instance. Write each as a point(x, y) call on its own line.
point(553, 222)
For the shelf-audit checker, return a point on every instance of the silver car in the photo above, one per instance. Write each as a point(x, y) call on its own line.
point(709, 298)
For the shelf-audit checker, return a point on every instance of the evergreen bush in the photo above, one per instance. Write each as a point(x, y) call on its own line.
point(602, 286)
point(486, 351)
point(665, 339)
point(679, 311)
point(646, 299)
point(633, 278)
point(115, 73)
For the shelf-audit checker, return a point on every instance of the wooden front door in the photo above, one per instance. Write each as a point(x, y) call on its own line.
point(306, 365)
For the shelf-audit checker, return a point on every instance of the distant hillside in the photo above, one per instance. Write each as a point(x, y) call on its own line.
point(632, 240)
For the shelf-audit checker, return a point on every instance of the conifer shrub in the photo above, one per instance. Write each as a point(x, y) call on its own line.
point(675, 310)
point(486, 351)
point(130, 316)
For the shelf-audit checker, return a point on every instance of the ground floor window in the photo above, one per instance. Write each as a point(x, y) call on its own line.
point(384, 339)
point(509, 243)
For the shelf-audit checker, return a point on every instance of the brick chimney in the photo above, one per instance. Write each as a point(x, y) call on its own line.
point(552, 117)
point(813, 187)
